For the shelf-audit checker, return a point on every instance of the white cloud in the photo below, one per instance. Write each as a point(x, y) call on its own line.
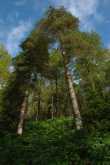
point(16, 35)
point(84, 9)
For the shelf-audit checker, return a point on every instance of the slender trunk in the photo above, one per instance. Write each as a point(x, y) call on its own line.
point(78, 120)
point(92, 83)
point(38, 105)
point(23, 112)
point(52, 109)
point(36, 112)
point(35, 105)
point(37, 115)
point(56, 104)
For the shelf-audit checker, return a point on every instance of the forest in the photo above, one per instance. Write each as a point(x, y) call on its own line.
point(55, 96)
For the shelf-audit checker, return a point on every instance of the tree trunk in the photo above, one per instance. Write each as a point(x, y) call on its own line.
point(35, 105)
point(38, 105)
point(56, 100)
point(23, 111)
point(52, 109)
point(78, 120)
point(36, 113)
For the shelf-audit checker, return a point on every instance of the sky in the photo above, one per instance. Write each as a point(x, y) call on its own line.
point(18, 17)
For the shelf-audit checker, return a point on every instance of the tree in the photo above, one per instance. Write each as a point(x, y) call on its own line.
point(23, 78)
point(54, 27)
point(5, 63)
point(14, 95)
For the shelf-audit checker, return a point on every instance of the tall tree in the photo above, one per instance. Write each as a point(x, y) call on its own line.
point(55, 26)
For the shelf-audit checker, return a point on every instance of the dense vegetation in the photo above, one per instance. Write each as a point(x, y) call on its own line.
point(55, 103)
point(54, 142)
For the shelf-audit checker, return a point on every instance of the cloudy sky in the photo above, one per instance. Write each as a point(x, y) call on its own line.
point(17, 17)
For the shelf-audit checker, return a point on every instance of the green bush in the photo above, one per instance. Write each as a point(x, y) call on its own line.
point(54, 142)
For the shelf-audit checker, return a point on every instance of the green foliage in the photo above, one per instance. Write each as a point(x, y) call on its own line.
point(36, 51)
point(10, 104)
point(54, 142)
point(57, 21)
point(5, 62)
point(13, 94)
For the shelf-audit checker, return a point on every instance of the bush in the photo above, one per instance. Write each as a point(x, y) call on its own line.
point(54, 142)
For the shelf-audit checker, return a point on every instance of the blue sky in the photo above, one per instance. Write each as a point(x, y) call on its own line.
point(17, 17)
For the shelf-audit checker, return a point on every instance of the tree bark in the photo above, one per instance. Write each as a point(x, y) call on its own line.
point(23, 112)
point(78, 119)
point(35, 105)
point(38, 105)
point(56, 100)
point(52, 109)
